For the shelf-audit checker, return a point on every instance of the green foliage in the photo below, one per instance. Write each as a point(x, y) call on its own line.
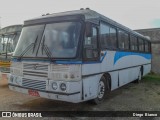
point(152, 78)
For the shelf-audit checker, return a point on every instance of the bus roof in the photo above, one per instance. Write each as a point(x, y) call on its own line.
point(89, 14)
point(11, 29)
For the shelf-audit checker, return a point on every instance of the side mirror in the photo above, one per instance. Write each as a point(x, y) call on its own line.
point(88, 29)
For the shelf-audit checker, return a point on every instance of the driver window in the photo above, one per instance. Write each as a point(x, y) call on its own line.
point(92, 41)
point(90, 44)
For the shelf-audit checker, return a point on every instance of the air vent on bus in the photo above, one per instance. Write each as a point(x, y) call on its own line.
point(62, 68)
point(34, 84)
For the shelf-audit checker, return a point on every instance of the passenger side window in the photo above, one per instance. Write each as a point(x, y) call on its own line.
point(149, 46)
point(123, 40)
point(108, 36)
point(141, 44)
point(113, 37)
point(133, 43)
point(146, 46)
point(104, 36)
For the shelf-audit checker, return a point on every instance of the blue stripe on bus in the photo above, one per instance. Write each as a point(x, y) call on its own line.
point(119, 55)
point(67, 62)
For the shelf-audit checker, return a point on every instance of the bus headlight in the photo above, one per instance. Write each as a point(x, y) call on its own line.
point(72, 76)
point(15, 80)
point(63, 86)
point(54, 86)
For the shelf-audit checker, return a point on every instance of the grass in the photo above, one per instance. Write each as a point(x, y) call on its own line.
point(152, 78)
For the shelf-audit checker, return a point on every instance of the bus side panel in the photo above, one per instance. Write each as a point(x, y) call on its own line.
point(128, 75)
point(134, 73)
point(89, 68)
point(107, 63)
point(128, 61)
point(146, 69)
point(114, 80)
point(90, 87)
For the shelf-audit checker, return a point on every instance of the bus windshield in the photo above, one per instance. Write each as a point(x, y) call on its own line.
point(6, 43)
point(57, 40)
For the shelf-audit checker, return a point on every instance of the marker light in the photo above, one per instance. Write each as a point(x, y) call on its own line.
point(54, 85)
point(63, 86)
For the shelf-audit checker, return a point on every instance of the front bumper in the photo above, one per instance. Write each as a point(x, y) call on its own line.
point(71, 94)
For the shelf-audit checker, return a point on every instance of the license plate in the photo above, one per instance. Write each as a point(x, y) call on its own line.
point(33, 93)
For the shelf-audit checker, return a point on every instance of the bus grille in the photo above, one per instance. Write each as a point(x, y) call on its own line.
point(34, 84)
point(35, 67)
point(61, 68)
point(35, 73)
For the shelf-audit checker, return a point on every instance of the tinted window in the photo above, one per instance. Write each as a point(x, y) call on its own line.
point(91, 46)
point(108, 36)
point(104, 36)
point(146, 46)
point(92, 41)
point(113, 37)
point(123, 40)
point(141, 44)
point(133, 43)
point(149, 46)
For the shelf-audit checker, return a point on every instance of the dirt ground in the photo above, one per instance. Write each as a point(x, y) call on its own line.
point(144, 96)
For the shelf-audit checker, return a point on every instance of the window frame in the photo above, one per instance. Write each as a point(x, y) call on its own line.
point(139, 38)
point(110, 26)
point(98, 46)
point(132, 35)
point(124, 49)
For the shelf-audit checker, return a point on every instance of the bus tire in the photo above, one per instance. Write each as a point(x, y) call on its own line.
point(103, 89)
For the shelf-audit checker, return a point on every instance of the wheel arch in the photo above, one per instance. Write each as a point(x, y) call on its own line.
point(108, 79)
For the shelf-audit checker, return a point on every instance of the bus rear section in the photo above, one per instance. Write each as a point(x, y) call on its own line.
point(77, 56)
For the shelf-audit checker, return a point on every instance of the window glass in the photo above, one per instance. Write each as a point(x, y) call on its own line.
point(92, 41)
point(123, 40)
point(29, 36)
point(108, 36)
point(91, 45)
point(149, 47)
point(61, 39)
point(113, 37)
point(141, 44)
point(133, 43)
point(104, 36)
point(146, 46)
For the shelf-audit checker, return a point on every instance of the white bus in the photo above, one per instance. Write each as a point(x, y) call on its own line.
point(77, 56)
point(8, 40)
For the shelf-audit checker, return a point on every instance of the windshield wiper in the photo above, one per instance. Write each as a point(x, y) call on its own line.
point(46, 49)
point(28, 48)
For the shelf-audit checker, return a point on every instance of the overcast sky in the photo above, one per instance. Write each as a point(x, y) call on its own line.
point(135, 14)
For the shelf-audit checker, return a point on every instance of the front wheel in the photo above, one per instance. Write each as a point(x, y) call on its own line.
point(103, 89)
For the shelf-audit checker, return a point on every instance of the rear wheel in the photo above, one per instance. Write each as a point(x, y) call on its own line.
point(103, 89)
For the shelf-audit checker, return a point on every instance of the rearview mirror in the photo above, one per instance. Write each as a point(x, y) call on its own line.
point(88, 29)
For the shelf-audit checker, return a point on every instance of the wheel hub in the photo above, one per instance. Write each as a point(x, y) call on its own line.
point(101, 89)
